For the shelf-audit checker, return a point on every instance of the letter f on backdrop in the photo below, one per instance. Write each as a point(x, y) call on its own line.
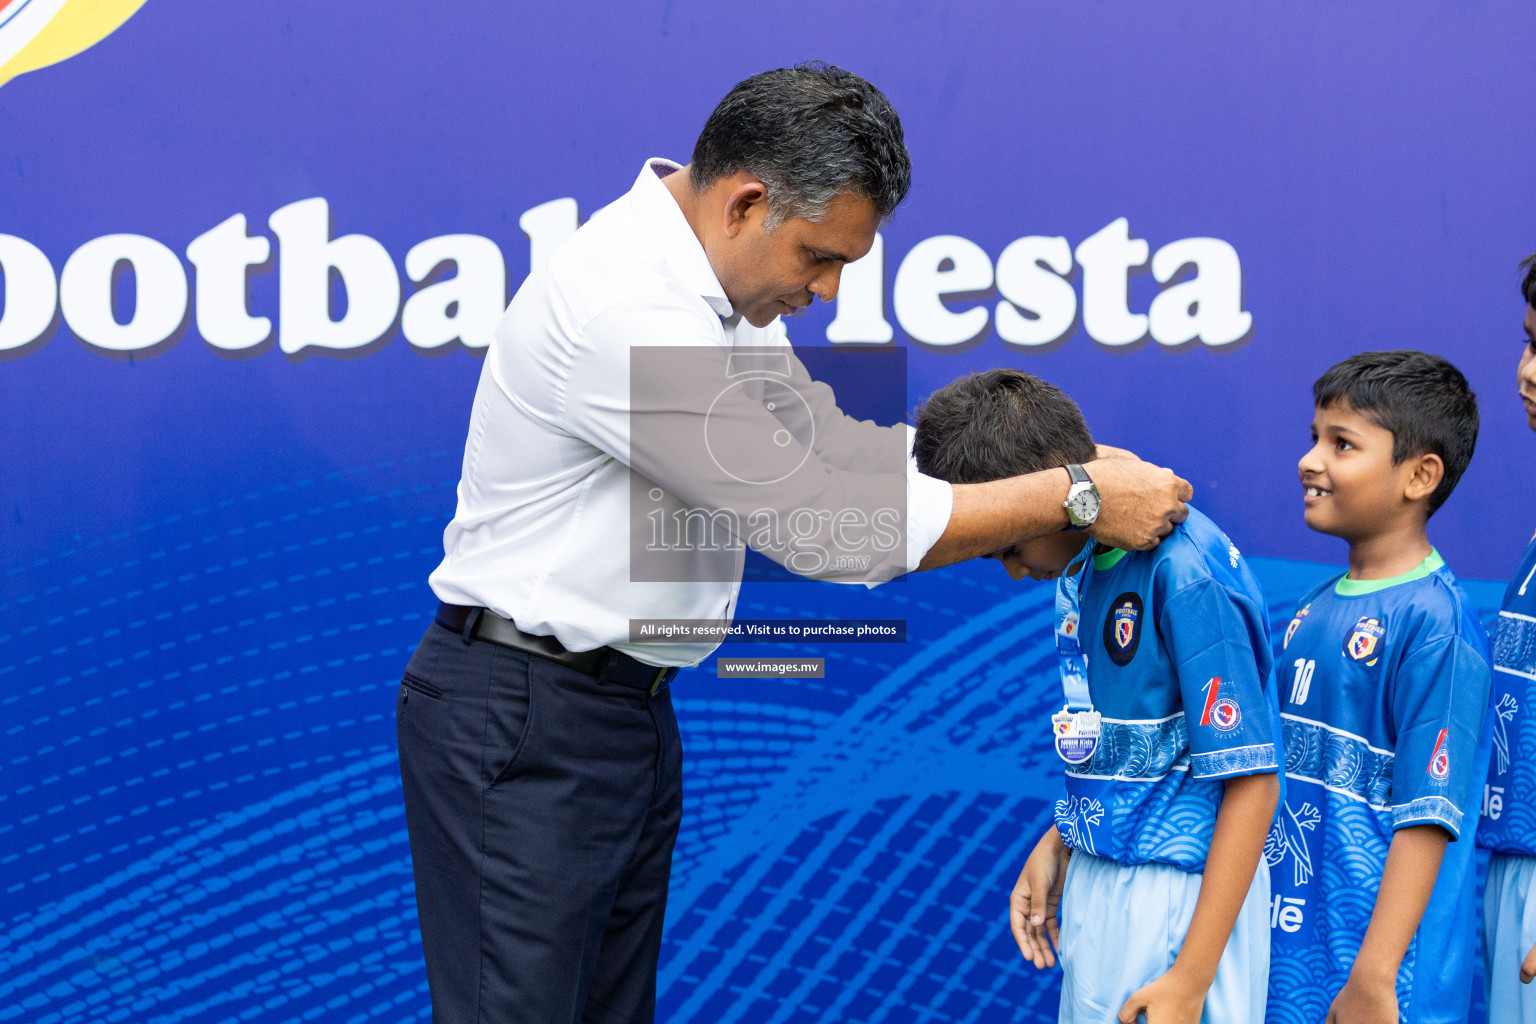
point(36, 33)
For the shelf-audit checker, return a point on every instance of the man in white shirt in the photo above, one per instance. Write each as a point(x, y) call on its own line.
point(539, 752)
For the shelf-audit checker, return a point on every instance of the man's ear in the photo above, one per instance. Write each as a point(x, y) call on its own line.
point(1428, 471)
point(747, 202)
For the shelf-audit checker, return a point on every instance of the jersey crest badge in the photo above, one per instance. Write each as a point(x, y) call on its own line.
point(1122, 628)
point(1364, 641)
point(1290, 630)
point(1440, 761)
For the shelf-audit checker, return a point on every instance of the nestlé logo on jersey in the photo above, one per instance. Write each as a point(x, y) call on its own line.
point(1122, 628)
point(1365, 640)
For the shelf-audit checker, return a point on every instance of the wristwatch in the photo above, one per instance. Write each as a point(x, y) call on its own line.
point(1082, 502)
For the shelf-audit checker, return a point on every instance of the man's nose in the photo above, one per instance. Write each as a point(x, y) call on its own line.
point(826, 284)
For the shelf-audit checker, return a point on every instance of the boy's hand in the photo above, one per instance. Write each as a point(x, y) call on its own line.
point(1365, 1002)
point(1141, 503)
point(1528, 967)
point(1036, 897)
point(1171, 999)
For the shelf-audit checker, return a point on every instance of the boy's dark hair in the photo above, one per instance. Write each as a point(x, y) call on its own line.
point(1528, 285)
point(998, 424)
point(1422, 399)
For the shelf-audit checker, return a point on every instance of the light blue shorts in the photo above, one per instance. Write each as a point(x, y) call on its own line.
point(1122, 927)
point(1509, 931)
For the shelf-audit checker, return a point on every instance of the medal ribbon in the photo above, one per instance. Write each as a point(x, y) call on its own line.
point(1069, 648)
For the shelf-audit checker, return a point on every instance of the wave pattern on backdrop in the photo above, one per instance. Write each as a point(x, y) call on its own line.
point(218, 521)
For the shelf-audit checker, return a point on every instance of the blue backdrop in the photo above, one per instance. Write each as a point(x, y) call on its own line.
point(213, 559)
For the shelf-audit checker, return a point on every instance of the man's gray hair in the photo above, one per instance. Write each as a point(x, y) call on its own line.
point(808, 133)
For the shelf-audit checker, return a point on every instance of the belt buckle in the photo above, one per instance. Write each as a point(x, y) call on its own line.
point(661, 676)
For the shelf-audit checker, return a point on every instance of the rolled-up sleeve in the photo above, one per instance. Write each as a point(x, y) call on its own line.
point(930, 502)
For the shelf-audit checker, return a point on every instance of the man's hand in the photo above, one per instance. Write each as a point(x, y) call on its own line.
point(1171, 999)
point(1141, 503)
point(1036, 897)
point(1528, 967)
point(1365, 1002)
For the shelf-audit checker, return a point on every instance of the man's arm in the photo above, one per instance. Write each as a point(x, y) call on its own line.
point(1141, 504)
point(1413, 864)
point(1247, 806)
point(674, 414)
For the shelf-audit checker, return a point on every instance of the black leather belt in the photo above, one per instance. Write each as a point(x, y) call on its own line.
point(605, 663)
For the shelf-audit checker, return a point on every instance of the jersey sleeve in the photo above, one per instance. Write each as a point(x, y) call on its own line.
point(1439, 700)
point(1231, 731)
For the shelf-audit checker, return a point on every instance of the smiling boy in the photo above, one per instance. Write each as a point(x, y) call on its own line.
point(1384, 717)
point(1509, 825)
point(1169, 736)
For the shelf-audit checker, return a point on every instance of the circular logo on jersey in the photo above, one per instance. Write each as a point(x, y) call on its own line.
point(1290, 630)
point(1225, 715)
point(1365, 640)
point(1122, 628)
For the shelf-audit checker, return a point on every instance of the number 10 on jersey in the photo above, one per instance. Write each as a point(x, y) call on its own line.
point(1302, 683)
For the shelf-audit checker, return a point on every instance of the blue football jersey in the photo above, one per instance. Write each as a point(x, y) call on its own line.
point(1384, 706)
point(1509, 802)
point(1179, 665)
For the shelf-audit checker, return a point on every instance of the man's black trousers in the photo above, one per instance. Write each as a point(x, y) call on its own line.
point(542, 806)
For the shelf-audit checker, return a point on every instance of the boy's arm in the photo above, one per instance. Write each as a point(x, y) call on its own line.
point(1413, 863)
point(1036, 898)
point(1242, 823)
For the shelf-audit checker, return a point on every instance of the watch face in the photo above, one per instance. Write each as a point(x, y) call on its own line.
point(1084, 506)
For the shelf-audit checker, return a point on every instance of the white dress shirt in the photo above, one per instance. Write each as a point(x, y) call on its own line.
point(542, 533)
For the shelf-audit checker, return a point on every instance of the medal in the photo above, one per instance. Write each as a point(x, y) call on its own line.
point(1076, 734)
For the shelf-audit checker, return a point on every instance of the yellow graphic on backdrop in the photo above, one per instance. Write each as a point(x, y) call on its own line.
point(36, 33)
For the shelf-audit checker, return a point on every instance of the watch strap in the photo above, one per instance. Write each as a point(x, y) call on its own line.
point(1078, 474)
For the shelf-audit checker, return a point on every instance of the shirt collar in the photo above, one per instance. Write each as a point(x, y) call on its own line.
point(681, 247)
point(1346, 587)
